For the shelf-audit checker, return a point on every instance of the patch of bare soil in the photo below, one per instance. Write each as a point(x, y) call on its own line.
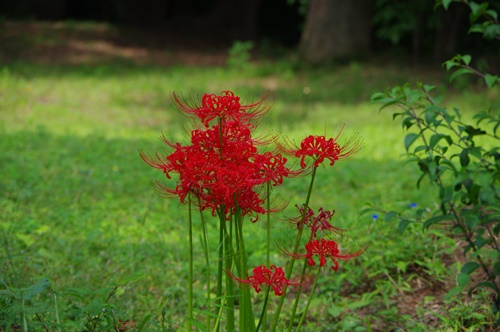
point(99, 43)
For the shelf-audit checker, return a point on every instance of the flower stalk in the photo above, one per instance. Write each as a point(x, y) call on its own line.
point(223, 171)
point(190, 270)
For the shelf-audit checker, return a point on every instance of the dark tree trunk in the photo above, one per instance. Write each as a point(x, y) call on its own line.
point(450, 24)
point(336, 29)
point(144, 12)
point(238, 21)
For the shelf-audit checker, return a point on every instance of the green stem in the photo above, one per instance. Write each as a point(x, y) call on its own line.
point(25, 322)
point(268, 214)
point(295, 249)
point(247, 322)
point(297, 296)
point(229, 283)
point(190, 273)
point(263, 318)
point(58, 321)
point(207, 266)
point(308, 301)
point(264, 310)
point(220, 262)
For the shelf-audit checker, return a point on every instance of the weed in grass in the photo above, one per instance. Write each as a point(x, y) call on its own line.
point(239, 54)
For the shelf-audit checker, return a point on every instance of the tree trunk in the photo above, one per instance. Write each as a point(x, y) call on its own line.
point(452, 23)
point(240, 22)
point(336, 29)
point(143, 12)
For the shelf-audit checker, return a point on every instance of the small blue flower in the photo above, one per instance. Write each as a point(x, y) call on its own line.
point(374, 216)
point(413, 205)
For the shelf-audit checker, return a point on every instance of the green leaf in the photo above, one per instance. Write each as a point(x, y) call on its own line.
point(464, 158)
point(490, 80)
point(27, 239)
point(496, 268)
point(450, 64)
point(409, 139)
point(336, 310)
point(395, 115)
point(407, 122)
point(472, 221)
point(431, 112)
point(481, 242)
point(358, 304)
point(403, 224)
point(7, 292)
point(434, 140)
point(142, 326)
point(467, 249)
point(475, 152)
point(35, 289)
point(446, 3)
point(472, 131)
point(466, 59)
point(449, 164)
point(434, 220)
point(492, 13)
point(460, 72)
point(463, 279)
point(376, 97)
point(491, 31)
point(446, 193)
point(487, 284)
point(428, 88)
point(476, 28)
point(420, 148)
point(420, 180)
point(469, 267)
point(481, 116)
point(389, 215)
point(453, 292)
point(476, 10)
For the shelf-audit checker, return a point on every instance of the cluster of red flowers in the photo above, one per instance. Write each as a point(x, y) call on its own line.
point(322, 247)
point(223, 171)
point(222, 167)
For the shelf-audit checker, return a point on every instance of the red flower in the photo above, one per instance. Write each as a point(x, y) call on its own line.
point(225, 107)
point(273, 168)
point(315, 223)
point(273, 277)
point(328, 249)
point(319, 148)
point(221, 168)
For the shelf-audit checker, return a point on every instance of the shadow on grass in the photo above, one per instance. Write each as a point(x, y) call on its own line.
point(284, 79)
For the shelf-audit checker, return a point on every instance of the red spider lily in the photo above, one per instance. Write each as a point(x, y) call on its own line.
point(273, 277)
point(316, 222)
point(222, 167)
point(273, 167)
point(320, 148)
point(328, 249)
point(225, 107)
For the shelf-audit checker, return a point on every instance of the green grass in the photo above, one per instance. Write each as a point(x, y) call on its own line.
point(77, 208)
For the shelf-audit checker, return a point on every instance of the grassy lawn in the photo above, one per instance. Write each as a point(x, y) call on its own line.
point(77, 207)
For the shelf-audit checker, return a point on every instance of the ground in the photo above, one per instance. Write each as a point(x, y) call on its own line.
point(94, 43)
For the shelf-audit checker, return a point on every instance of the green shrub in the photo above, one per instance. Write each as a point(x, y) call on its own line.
point(461, 158)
